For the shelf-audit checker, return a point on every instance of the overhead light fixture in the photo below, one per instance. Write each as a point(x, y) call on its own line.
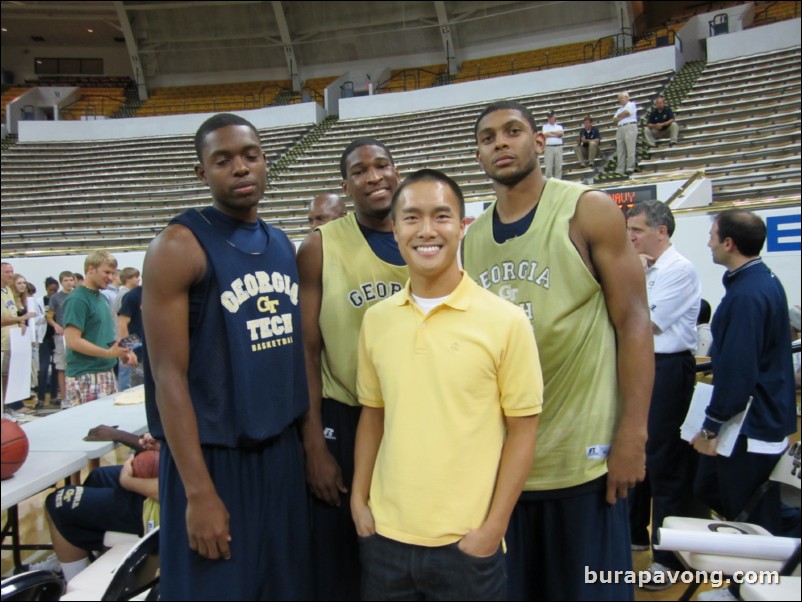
point(90, 30)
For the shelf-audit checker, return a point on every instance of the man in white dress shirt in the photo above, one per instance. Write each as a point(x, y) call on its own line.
point(553, 155)
point(674, 293)
point(626, 135)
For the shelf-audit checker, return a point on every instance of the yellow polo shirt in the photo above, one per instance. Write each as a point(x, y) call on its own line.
point(445, 381)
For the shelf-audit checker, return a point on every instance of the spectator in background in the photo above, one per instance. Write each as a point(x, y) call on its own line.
point(129, 322)
point(111, 498)
point(12, 317)
point(704, 338)
point(47, 370)
point(129, 279)
point(553, 155)
point(92, 350)
point(674, 293)
point(626, 136)
point(326, 207)
point(661, 124)
point(55, 317)
point(589, 140)
point(79, 279)
point(751, 356)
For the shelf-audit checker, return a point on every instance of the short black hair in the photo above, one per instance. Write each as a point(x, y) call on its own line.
point(215, 122)
point(429, 175)
point(358, 143)
point(657, 214)
point(50, 281)
point(744, 228)
point(503, 105)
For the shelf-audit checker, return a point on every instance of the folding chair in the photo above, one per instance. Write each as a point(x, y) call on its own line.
point(33, 585)
point(121, 573)
point(786, 475)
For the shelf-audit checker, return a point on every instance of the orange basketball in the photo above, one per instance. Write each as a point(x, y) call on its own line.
point(14, 443)
point(146, 464)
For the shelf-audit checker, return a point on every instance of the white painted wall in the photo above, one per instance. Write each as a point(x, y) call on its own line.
point(775, 36)
point(36, 269)
point(690, 238)
point(608, 70)
point(693, 232)
point(169, 125)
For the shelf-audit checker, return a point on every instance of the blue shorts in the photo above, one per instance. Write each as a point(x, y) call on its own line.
point(264, 491)
point(335, 550)
point(552, 541)
point(83, 514)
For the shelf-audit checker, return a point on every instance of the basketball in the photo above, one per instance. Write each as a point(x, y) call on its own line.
point(14, 448)
point(146, 464)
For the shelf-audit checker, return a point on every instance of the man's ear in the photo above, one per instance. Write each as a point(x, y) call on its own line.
point(200, 173)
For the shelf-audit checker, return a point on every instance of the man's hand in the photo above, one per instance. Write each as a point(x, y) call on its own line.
point(118, 352)
point(706, 447)
point(58, 330)
point(626, 466)
point(127, 473)
point(363, 518)
point(480, 543)
point(207, 527)
point(325, 476)
point(646, 261)
point(149, 443)
point(102, 433)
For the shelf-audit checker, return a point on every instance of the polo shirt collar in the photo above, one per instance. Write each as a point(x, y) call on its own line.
point(460, 297)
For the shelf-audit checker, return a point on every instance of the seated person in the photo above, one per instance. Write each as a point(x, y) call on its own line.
point(704, 338)
point(110, 499)
point(661, 124)
point(588, 146)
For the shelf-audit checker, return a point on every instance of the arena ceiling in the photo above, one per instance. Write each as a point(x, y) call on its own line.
point(192, 37)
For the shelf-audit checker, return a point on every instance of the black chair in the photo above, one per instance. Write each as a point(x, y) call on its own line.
point(138, 572)
point(33, 585)
point(718, 25)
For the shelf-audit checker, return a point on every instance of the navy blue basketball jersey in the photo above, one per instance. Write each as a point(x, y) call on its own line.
point(247, 376)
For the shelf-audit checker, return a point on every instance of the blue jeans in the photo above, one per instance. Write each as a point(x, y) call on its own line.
point(392, 570)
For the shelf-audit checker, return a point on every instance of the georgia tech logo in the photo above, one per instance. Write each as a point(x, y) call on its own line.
point(268, 290)
point(507, 292)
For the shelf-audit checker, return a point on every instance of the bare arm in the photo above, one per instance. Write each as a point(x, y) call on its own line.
point(601, 226)
point(122, 325)
point(516, 460)
point(369, 435)
point(144, 487)
point(112, 433)
point(174, 262)
point(322, 471)
point(73, 339)
point(13, 320)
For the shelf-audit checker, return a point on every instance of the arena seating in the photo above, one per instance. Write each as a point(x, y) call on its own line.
point(212, 98)
point(122, 192)
point(740, 124)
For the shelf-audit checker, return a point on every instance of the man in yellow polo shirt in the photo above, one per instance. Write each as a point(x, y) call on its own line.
point(449, 378)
